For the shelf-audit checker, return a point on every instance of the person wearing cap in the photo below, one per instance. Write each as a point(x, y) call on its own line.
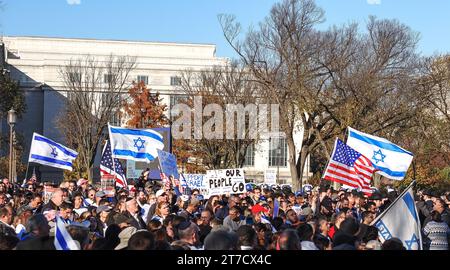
point(79, 233)
point(83, 186)
point(102, 215)
point(188, 232)
point(125, 236)
point(257, 212)
point(161, 196)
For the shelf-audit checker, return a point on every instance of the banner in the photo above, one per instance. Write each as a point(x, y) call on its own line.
point(270, 177)
point(230, 181)
point(168, 164)
point(198, 181)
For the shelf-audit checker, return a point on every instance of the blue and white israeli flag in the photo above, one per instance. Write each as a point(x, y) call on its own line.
point(401, 220)
point(63, 240)
point(135, 144)
point(48, 152)
point(389, 159)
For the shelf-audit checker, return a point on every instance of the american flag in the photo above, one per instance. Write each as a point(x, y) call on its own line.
point(349, 167)
point(106, 167)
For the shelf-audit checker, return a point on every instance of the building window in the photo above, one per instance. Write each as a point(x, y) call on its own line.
point(175, 80)
point(75, 77)
point(277, 152)
point(142, 78)
point(108, 78)
point(250, 156)
point(116, 119)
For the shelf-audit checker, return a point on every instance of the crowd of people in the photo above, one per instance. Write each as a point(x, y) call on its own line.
point(154, 217)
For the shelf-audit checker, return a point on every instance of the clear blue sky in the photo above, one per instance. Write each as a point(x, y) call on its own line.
point(195, 21)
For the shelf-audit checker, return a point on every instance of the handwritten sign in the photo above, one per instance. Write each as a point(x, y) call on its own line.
point(107, 185)
point(230, 181)
point(48, 191)
point(197, 181)
point(270, 177)
point(168, 163)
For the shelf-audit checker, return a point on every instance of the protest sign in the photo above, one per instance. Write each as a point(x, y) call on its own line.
point(48, 191)
point(197, 181)
point(107, 185)
point(230, 181)
point(270, 177)
point(168, 164)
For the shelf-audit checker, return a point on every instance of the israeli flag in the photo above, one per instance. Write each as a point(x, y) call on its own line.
point(390, 160)
point(135, 144)
point(48, 152)
point(401, 220)
point(63, 240)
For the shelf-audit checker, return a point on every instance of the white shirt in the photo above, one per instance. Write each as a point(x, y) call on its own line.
point(80, 211)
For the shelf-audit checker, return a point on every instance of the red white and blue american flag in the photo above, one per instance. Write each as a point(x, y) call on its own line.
point(107, 168)
point(349, 167)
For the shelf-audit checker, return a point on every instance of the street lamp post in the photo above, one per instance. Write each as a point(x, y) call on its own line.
point(12, 119)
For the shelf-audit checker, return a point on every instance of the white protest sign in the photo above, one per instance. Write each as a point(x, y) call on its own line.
point(270, 177)
point(230, 181)
point(197, 181)
point(48, 191)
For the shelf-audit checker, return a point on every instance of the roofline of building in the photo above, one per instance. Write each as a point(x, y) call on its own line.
point(116, 41)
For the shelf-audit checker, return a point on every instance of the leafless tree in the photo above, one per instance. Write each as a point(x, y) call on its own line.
point(94, 95)
point(328, 80)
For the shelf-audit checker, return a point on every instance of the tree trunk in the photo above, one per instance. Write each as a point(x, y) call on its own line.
point(296, 185)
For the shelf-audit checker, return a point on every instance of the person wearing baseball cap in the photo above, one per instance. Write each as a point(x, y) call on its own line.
point(257, 211)
point(161, 196)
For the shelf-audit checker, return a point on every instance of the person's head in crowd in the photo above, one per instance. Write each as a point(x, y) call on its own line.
point(377, 198)
point(247, 237)
point(326, 207)
point(439, 205)
point(234, 201)
point(132, 206)
point(161, 196)
point(79, 232)
point(305, 232)
point(234, 213)
point(141, 197)
point(344, 241)
point(122, 220)
point(83, 184)
point(154, 225)
point(349, 226)
point(393, 244)
point(65, 193)
point(205, 217)
point(103, 212)
point(36, 200)
point(65, 210)
point(37, 225)
point(99, 195)
point(344, 203)
point(371, 234)
point(323, 226)
point(151, 198)
point(162, 209)
point(188, 232)
point(371, 207)
point(57, 197)
point(289, 240)
point(72, 186)
point(91, 195)
point(257, 212)
point(216, 223)
point(125, 236)
point(367, 217)
point(256, 193)
point(436, 216)
point(6, 215)
point(322, 243)
point(142, 240)
point(180, 245)
point(221, 240)
point(192, 205)
point(8, 242)
point(292, 217)
point(291, 198)
point(195, 192)
point(77, 201)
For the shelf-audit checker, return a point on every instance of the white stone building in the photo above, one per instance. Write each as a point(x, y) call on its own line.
point(35, 62)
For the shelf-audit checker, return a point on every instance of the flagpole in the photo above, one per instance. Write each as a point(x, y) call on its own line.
point(26, 173)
